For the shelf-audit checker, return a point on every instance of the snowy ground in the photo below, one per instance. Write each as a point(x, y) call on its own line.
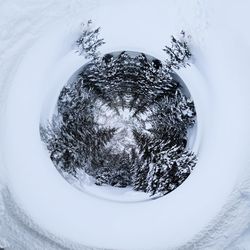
point(36, 201)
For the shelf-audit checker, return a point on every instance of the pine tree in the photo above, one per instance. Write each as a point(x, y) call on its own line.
point(89, 41)
point(103, 176)
point(139, 177)
point(121, 172)
point(154, 178)
point(179, 53)
point(175, 167)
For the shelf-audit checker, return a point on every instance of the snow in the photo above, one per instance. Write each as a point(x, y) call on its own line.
point(86, 183)
point(210, 210)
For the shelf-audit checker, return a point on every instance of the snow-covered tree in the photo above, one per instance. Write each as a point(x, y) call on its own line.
point(178, 53)
point(177, 168)
point(139, 177)
point(89, 41)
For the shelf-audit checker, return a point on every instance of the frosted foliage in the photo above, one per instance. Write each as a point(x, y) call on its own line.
point(124, 120)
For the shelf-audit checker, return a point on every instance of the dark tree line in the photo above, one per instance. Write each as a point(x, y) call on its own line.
point(159, 161)
point(138, 77)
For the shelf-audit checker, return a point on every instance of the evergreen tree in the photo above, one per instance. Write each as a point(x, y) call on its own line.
point(154, 178)
point(178, 53)
point(170, 170)
point(89, 41)
point(139, 177)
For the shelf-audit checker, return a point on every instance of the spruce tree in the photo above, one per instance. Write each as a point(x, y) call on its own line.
point(89, 41)
point(178, 53)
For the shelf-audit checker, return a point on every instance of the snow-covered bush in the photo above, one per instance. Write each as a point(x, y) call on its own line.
point(124, 120)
